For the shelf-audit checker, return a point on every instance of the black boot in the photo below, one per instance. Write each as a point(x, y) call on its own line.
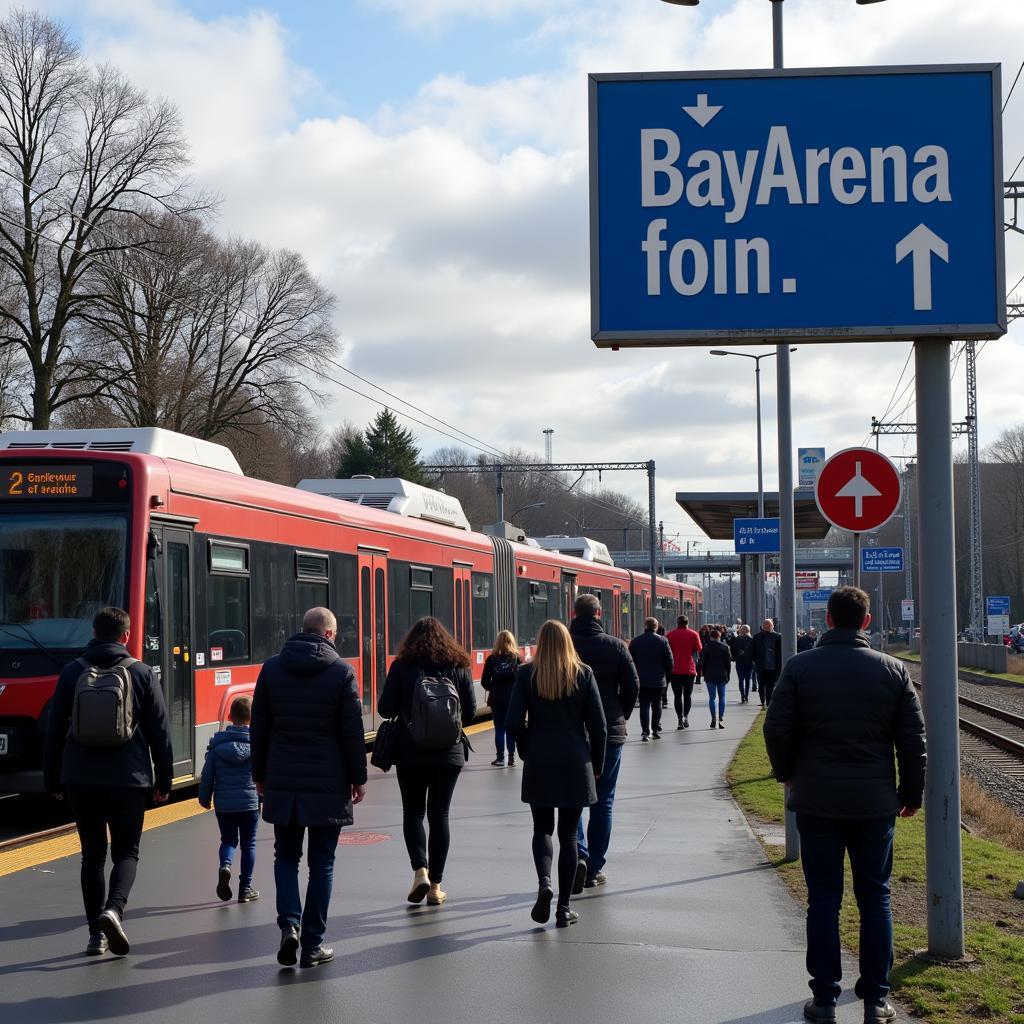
point(288, 952)
point(316, 957)
point(97, 944)
point(110, 925)
point(541, 912)
point(565, 917)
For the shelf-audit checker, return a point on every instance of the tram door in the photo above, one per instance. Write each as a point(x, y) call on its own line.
point(568, 596)
point(167, 637)
point(617, 612)
point(373, 617)
point(463, 604)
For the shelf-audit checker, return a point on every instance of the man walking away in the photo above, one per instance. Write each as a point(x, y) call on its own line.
point(742, 648)
point(767, 659)
point(618, 685)
point(309, 765)
point(107, 721)
point(838, 713)
point(652, 657)
point(716, 668)
point(686, 645)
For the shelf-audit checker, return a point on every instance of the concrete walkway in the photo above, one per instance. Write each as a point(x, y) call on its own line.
point(693, 925)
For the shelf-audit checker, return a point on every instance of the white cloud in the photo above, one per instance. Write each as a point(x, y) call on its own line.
point(453, 227)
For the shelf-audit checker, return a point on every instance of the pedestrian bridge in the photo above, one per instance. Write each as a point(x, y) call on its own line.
point(807, 560)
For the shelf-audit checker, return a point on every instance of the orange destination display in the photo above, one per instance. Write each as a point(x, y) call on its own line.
point(43, 481)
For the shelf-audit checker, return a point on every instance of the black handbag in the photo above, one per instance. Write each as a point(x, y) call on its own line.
point(385, 744)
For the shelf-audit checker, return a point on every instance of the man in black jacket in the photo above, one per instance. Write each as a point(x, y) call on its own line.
point(619, 686)
point(767, 659)
point(309, 765)
point(108, 786)
point(837, 715)
point(652, 657)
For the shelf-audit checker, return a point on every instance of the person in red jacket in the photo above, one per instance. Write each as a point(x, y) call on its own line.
point(685, 644)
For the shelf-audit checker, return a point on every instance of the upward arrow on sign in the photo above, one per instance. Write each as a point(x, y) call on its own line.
point(920, 244)
point(858, 488)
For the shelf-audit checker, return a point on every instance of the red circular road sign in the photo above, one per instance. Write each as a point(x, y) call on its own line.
point(858, 490)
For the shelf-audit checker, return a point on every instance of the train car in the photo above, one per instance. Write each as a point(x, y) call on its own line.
point(215, 570)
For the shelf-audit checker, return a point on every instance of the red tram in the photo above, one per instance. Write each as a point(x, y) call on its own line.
point(216, 570)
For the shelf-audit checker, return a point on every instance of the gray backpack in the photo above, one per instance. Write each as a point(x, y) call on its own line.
point(435, 722)
point(103, 712)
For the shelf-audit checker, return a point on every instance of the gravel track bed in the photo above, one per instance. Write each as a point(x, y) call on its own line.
point(1009, 790)
point(1007, 697)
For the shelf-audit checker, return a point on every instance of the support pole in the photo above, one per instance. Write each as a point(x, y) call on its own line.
point(938, 648)
point(856, 559)
point(787, 514)
point(908, 568)
point(652, 527)
point(499, 488)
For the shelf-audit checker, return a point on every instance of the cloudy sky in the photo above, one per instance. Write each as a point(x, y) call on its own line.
point(429, 158)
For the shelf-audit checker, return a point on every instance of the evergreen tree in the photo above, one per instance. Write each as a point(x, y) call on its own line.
point(384, 449)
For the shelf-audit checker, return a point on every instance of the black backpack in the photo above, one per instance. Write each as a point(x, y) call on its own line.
point(505, 668)
point(435, 720)
point(103, 711)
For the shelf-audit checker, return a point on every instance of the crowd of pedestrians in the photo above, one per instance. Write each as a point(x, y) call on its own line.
point(295, 755)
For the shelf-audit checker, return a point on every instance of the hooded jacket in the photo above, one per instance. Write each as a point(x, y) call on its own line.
point(227, 772)
point(66, 763)
point(616, 675)
point(308, 748)
point(715, 662)
point(841, 719)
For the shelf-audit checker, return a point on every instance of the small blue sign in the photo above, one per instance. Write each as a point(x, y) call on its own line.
point(997, 606)
point(843, 204)
point(756, 536)
point(817, 596)
point(881, 559)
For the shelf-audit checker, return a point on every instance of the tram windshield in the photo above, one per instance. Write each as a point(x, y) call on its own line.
point(57, 570)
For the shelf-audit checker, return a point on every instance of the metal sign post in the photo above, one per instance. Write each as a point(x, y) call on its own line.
point(938, 648)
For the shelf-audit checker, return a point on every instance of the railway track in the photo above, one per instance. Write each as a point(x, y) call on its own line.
point(994, 735)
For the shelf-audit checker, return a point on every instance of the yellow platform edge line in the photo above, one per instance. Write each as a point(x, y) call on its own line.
point(47, 850)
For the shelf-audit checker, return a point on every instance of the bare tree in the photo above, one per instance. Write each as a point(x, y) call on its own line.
point(206, 337)
point(79, 148)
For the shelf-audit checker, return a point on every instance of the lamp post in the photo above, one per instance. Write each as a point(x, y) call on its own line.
point(759, 594)
point(523, 508)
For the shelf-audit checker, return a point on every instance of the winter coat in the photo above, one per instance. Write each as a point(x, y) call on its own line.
point(835, 719)
point(804, 643)
point(768, 651)
point(686, 645)
point(561, 742)
point(66, 763)
point(227, 772)
point(742, 648)
point(396, 699)
point(308, 747)
point(716, 662)
point(499, 687)
point(614, 671)
point(652, 657)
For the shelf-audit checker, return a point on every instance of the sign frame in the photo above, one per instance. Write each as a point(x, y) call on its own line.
point(876, 526)
point(753, 549)
point(997, 605)
point(815, 596)
point(615, 339)
point(907, 609)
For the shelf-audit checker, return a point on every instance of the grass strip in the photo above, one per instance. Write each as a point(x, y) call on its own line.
point(990, 990)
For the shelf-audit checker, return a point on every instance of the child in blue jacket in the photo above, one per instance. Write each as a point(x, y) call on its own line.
point(227, 781)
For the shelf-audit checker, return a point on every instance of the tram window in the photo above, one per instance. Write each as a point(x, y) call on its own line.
point(311, 595)
point(417, 591)
point(344, 594)
point(532, 608)
point(311, 587)
point(227, 603)
point(483, 611)
point(152, 629)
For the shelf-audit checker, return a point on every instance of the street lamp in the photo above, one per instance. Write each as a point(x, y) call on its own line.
point(523, 508)
point(760, 456)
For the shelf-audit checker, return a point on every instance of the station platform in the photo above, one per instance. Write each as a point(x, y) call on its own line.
point(693, 925)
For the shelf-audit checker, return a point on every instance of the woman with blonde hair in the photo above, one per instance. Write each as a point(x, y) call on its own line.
point(498, 678)
point(557, 719)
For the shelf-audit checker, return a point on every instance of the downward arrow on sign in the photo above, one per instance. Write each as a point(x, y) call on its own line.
point(702, 113)
point(920, 244)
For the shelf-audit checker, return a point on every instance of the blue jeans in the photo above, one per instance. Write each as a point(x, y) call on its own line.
point(593, 846)
point(501, 737)
point(824, 841)
point(323, 844)
point(238, 828)
point(716, 690)
point(744, 673)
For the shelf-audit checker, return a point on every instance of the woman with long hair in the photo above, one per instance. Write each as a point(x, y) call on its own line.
point(558, 721)
point(499, 676)
point(429, 685)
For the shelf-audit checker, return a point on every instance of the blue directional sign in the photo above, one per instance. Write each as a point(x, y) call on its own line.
point(830, 205)
point(817, 596)
point(756, 536)
point(997, 606)
point(881, 559)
